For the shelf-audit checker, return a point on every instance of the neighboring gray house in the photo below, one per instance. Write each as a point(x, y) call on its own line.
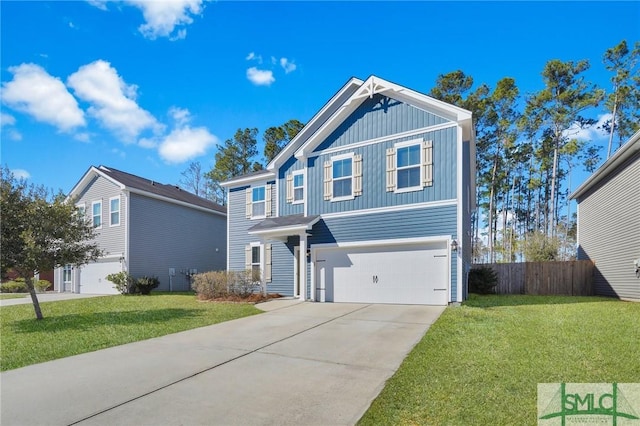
point(371, 202)
point(145, 228)
point(609, 222)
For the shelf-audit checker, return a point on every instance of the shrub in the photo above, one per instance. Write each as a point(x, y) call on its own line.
point(41, 285)
point(219, 284)
point(212, 285)
point(245, 283)
point(146, 284)
point(124, 283)
point(482, 280)
point(16, 286)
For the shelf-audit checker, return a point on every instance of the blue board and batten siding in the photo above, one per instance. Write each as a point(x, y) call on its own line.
point(165, 235)
point(376, 125)
point(110, 238)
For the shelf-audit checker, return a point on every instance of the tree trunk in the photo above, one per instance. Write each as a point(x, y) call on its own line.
point(613, 122)
point(28, 280)
point(554, 173)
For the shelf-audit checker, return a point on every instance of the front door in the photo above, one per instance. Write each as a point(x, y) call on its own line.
point(66, 278)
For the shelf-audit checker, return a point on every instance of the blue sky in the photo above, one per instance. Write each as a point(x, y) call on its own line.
point(148, 87)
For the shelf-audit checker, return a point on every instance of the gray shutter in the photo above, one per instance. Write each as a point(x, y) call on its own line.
point(328, 178)
point(247, 257)
point(427, 163)
point(267, 263)
point(391, 169)
point(267, 200)
point(289, 188)
point(357, 175)
point(248, 199)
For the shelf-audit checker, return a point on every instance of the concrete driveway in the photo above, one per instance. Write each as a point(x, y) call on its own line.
point(297, 364)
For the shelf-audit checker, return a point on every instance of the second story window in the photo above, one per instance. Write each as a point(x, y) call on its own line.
point(408, 167)
point(342, 174)
point(96, 211)
point(114, 211)
point(298, 187)
point(258, 201)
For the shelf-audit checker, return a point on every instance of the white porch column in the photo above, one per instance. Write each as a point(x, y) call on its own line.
point(303, 267)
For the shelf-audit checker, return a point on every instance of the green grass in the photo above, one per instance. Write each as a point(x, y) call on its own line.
point(12, 296)
point(73, 327)
point(480, 363)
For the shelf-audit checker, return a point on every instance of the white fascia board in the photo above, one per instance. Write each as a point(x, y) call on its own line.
point(626, 151)
point(90, 174)
point(375, 85)
point(241, 181)
point(285, 230)
point(174, 201)
point(306, 130)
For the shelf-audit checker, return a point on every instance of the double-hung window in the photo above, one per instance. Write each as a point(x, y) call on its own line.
point(258, 202)
point(114, 211)
point(96, 213)
point(256, 263)
point(342, 178)
point(298, 187)
point(408, 167)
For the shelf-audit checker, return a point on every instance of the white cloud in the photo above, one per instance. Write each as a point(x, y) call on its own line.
point(35, 92)
point(591, 133)
point(186, 143)
point(180, 116)
point(260, 77)
point(148, 143)
point(112, 100)
point(250, 56)
point(253, 57)
point(162, 17)
point(7, 120)
point(82, 137)
point(15, 135)
point(100, 4)
point(20, 173)
point(287, 65)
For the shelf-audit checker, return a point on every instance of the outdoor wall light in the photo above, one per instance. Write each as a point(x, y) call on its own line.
point(454, 245)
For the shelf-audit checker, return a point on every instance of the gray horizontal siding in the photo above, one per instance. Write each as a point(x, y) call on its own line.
point(608, 216)
point(429, 222)
point(165, 235)
point(378, 117)
point(111, 239)
point(374, 160)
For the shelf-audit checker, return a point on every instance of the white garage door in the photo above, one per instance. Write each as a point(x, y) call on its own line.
point(403, 274)
point(93, 277)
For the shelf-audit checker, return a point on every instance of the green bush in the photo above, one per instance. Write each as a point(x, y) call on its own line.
point(16, 286)
point(146, 284)
point(124, 283)
point(41, 285)
point(482, 280)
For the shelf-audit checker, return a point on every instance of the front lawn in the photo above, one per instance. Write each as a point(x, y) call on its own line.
point(73, 327)
point(480, 363)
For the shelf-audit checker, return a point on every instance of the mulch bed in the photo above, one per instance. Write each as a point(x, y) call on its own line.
point(253, 299)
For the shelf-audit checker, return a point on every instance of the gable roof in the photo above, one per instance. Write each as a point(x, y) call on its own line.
point(630, 148)
point(374, 85)
point(149, 188)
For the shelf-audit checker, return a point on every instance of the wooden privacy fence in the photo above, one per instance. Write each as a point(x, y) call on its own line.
point(573, 278)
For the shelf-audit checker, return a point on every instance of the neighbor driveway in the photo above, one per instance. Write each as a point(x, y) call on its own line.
point(297, 364)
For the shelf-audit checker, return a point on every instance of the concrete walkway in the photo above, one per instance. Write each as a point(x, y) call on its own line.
point(296, 364)
point(46, 297)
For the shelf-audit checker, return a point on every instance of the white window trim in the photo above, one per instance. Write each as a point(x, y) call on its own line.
point(93, 203)
point(405, 144)
point(119, 211)
point(338, 158)
point(261, 263)
point(304, 186)
point(264, 201)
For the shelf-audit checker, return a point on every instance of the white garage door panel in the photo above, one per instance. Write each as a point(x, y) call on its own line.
point(406, 274)
point(93, 277)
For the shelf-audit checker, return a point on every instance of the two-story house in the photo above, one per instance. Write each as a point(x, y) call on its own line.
point(371, 202)
point(146, 229)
